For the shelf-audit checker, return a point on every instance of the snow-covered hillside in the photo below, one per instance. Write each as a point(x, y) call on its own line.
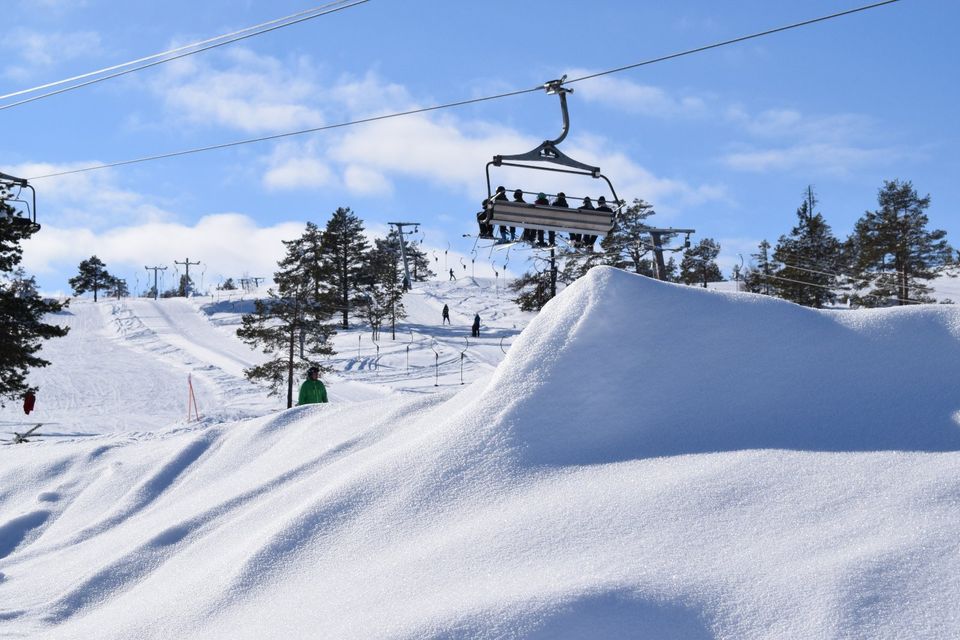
point(648, 460)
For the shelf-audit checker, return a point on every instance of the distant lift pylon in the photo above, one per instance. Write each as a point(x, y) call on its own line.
point(546, 217)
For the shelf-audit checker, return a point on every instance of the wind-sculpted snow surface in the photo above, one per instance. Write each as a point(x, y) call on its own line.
point(648, 461)
point(625, 367)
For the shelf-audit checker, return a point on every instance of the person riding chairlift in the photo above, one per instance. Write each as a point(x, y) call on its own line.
point(588, 241)
point(543, 202)
point(501, 195)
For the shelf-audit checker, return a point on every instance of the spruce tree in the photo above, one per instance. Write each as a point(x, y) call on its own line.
point(296, 313)
point(418, 261)
point(757, 277)
point(627, 246)
point(22, 310)
point(93, 276)
point(535, 290)
point(808, 259)
point(343, 252)
point(698, 265)
point(117, 287)
point(382, 294)
point(893, 252)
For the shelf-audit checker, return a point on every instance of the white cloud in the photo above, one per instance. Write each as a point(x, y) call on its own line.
point(792, 124)
point(438, 148)
point(254, 94)
point(364, 180)
point(788, 140)
point(91, 199)
point(227, 245)
point(33, 50)
point(639, 98)
point(822, 158)
point(294, 165)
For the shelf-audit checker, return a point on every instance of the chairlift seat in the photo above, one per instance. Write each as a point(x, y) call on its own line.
point(549, 218)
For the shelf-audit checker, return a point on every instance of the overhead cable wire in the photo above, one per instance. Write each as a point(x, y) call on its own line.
point(179, 52)
point(862, 295)
point(288, 134)
point(840, 274)
point(449, 105)
point(733, 41)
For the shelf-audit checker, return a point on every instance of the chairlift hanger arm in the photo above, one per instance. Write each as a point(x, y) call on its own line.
point(547, 151)
point(7, 179)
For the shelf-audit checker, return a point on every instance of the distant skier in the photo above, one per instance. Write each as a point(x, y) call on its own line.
point(446, 315)
point(476, 326)
point(452, 277)
point(29, 399)
point(312, 390)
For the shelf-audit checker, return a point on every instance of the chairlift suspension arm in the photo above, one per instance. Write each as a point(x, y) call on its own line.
point(7, 179)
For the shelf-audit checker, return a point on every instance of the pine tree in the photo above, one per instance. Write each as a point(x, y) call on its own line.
point(418, 261)
point(185, 286)
point(698, 265)
point(22, 310)
point(535, 290)
point(117, 287)
point(296, 313)
point(757, 277)
point(343, 252)
point(892, 250)
point(93, 276)
point(808, 259)
point(627, 246)
point(382, 295)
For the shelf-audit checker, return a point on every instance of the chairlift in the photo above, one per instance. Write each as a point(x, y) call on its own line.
point(29, 220)
point(547, 217)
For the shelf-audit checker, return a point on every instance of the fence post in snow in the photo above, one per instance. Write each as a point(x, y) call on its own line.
point(191, 400)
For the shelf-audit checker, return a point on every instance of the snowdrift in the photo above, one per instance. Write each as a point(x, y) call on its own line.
point(560, 498)
point(622, 367)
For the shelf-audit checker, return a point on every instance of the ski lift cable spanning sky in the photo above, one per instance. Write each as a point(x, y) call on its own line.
point(176, 53)
point(460, 103)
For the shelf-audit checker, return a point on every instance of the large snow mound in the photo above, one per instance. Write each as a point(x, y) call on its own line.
point(621, 367)
point(547, 501)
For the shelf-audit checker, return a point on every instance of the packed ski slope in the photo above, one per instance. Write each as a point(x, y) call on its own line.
point(647, 460)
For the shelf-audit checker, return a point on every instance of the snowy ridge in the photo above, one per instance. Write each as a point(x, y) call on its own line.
point(645, 462)
point(698, 371)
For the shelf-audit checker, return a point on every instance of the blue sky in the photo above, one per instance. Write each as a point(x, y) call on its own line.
point(723, 141)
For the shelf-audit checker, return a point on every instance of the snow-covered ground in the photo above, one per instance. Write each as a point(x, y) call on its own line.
point(640, 459)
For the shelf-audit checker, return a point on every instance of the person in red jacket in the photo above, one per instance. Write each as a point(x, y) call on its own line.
point(29, 399)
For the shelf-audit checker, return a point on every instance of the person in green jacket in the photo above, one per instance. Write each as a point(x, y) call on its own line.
point(312, 390)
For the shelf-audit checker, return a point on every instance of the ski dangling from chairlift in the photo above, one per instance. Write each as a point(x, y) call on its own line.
point(11, 189)
point(585, 221)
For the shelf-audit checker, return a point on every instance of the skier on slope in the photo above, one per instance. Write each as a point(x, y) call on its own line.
point(312, 390)
point(446, 315)
point(475, 330)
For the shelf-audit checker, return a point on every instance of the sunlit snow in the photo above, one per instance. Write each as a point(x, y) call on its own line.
point(640, 459)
